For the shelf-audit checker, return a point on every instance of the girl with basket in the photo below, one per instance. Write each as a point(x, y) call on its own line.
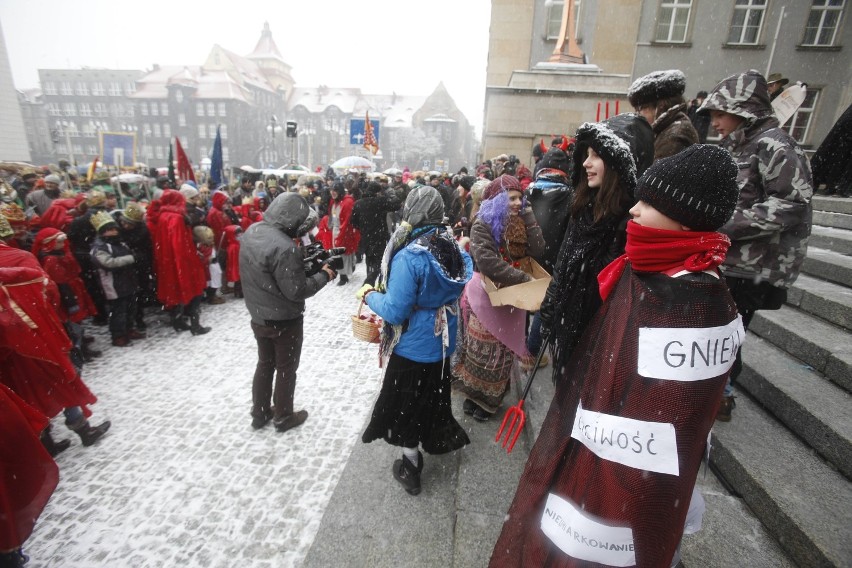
point(423, 274)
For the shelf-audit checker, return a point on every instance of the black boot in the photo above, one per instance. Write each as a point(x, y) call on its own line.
point(53, 447)
point(13, 559)
point(90, 434)
point(408, 474)
point(212, 298)
point(89, 353)
point(343, 281)
point(238, 289)
point(178, 321)
point(260, 417)
point(195, 325)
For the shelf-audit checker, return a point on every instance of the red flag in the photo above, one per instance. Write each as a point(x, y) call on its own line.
point(370, 142)
point(184, 166)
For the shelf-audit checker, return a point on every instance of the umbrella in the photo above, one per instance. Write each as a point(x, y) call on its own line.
point(392, 172)
point(353, 163)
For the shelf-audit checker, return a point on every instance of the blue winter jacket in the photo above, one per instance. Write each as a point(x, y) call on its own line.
point(417, 287)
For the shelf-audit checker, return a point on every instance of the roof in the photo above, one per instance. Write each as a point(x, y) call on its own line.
point(217, 84)
point(395, 111)
point(265, 48)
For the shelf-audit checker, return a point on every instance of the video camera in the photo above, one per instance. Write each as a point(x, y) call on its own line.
point(316, 257)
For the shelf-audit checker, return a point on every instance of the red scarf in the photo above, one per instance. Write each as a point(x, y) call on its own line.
point(660, 250)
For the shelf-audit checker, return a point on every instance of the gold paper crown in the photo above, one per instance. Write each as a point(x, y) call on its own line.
point(134, 212)
point(101, 219)
point(13, 213)
point(96, 198)
point(5, 228)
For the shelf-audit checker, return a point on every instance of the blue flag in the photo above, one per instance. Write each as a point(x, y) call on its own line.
point(216, 166)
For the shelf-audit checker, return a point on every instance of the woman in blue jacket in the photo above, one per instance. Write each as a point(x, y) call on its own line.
point(423, 274)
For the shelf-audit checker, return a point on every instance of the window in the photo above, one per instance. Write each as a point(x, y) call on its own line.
point(85, 109)
point(53, 109)
point(129, 88)
point(673, 21)
point(164, 109)
point(181, 119)
point(747, 21)
point(69, 109)
point(203, 151)
point(211, 109)
point(821, 28)
point(223, 130)
point(114, 89)
point(800, 125)
point(78, 149)
point(157, 132)
point(202, 131)
point(50, 88)
point(199, 109)
point(554, 18)
point(222, 110)
point(92, 150)
point(101, 109)
point(211, 130)
point(158, 152)
point(167, 130)
point(224, 154)
point(65, 88)
point(82, 89)
point(143, 109)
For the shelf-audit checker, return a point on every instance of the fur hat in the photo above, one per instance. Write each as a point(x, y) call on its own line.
point(696, 187)
point(656, 86)
point(102, 221)
point(188, 191)
point(134, 212)
point(96, 199)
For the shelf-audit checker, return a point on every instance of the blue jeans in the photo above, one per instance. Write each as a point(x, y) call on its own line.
point(73, 417)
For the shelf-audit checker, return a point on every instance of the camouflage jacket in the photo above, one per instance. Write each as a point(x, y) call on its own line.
point(771, 224)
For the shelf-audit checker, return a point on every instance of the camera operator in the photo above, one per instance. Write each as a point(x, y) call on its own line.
point(275, 285)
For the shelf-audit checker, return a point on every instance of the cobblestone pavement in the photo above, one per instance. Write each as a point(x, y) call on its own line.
point(181, 479)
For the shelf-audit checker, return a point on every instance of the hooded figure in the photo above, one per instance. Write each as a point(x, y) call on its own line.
point(275, 287)
point(423, 274)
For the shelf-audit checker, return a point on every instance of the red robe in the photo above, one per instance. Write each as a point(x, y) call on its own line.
point(179, 269)
point(348, 236)
point(217, 219)
point(34, 347)
point(609, 373)
point(231, 247)
point(63, 269)
point(28, 475)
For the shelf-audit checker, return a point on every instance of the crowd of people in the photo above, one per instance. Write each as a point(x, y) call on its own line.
point(650, 236)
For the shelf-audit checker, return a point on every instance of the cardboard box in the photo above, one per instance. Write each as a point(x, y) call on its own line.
point(527, 296)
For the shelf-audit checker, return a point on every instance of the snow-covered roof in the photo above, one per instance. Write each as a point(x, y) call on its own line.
point(265, 47)
point(318, 99)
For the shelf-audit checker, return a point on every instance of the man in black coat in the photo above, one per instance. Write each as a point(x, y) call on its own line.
point(369, 215)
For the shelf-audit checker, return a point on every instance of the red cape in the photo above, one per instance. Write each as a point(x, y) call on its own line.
point(603, 377)
point(231, 247)
point(348, 236)
point(28, 475)
point(64, 270)
point(180, 273)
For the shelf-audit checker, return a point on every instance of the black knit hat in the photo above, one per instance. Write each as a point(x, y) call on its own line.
point(554, 159)
point(656, 86)
point(696, 187)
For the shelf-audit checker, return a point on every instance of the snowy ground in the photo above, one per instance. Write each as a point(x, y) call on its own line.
point(181, 479)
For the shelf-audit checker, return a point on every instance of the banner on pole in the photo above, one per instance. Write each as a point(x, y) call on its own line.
point(357, 131)
point(118, 149)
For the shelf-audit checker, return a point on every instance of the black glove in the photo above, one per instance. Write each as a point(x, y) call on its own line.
point(335, 262)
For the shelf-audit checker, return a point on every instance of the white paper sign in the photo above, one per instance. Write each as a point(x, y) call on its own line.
point(651, 446)
point(689, 353)
point(581, 536)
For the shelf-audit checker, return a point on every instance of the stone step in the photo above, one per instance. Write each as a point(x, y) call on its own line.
point(803, 502)
point(825, 347)
point(831, 238)
point(828, 265)
point(832, 204)
point(826, 300)
point(815, 409)
point(830, 219)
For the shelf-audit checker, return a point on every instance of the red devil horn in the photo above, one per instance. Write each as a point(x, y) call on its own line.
point(564, 144)
point(543, 147)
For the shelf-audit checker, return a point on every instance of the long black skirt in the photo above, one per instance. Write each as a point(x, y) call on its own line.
point(414, 408)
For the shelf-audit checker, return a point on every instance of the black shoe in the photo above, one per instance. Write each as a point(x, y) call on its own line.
point(90, 434)
point(344, 280)
point(196, 328)
point(408, 475)
point(100, 320)
point(481, 415)
point(292, 421)
point(260, 420)
point(469, 407)
point(88, 339)
point(89, 353)
point(180, 324)
point(53, 447)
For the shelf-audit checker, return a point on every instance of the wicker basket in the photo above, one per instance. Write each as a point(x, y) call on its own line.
point(366, 328)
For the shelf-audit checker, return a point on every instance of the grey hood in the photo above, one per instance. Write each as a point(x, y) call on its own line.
point(287, 212)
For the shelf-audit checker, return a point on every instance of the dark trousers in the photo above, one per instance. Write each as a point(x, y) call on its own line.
point(750, 296)
point(122, 315)
point(279, 347)
point(92, 282)
point(374, 267)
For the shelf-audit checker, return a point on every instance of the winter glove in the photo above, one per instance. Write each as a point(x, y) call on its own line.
point(364, 290)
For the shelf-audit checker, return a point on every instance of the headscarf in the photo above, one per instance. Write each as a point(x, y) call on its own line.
point(494, 210)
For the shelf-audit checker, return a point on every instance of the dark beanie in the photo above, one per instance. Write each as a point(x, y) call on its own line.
point(554, 159)
point(696, 187)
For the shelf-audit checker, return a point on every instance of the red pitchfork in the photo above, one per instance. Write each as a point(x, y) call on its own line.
point(515, 416)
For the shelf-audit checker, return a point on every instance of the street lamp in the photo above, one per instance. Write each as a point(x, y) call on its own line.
point(273, 128)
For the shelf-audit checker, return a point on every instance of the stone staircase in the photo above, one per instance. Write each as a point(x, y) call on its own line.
point(788, 450)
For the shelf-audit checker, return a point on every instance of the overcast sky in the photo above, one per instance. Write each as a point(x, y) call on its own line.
point(380, 46)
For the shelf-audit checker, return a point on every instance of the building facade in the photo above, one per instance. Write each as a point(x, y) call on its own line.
point(530, 96)
point(13, 141)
